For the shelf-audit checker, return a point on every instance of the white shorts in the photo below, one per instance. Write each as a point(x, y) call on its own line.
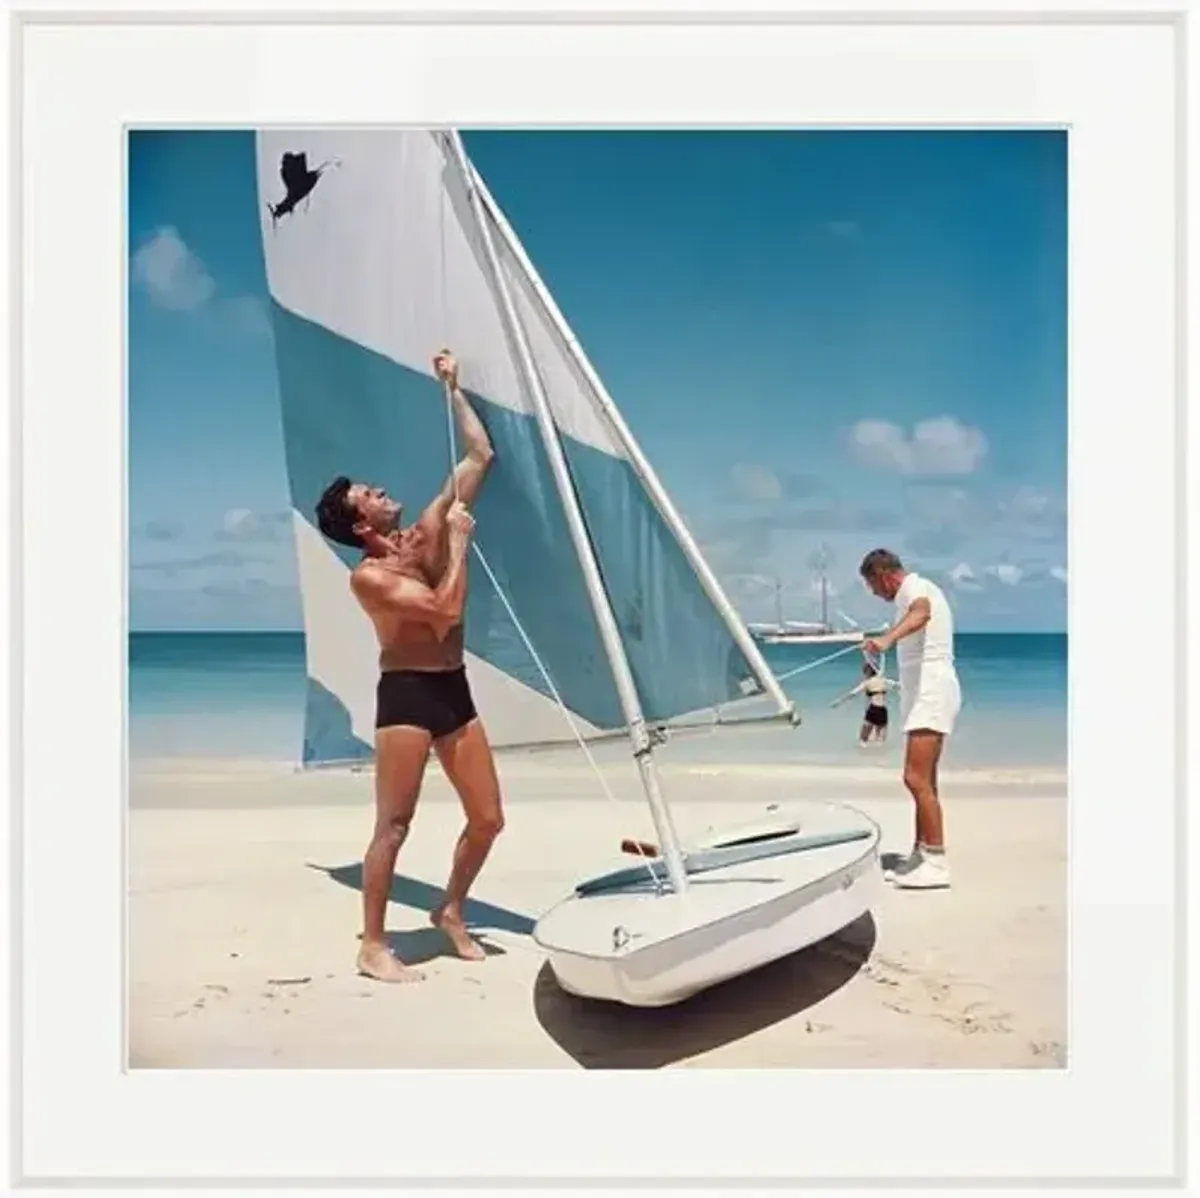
point(930, 698)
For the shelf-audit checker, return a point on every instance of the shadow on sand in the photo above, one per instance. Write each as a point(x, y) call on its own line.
point(425, 944)
point(601, 1035)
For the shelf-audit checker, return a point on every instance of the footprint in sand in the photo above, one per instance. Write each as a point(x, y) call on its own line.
point(212, 990)
point(1049, 1048)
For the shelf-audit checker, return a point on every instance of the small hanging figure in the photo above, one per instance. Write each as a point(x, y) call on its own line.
point(875, 718)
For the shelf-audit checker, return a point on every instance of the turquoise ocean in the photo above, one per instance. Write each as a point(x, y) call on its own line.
point(222, 695)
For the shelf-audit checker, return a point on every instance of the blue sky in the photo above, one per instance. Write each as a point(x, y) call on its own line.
point(824, 341)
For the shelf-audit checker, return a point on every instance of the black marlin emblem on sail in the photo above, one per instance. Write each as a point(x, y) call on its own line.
point(298, 182)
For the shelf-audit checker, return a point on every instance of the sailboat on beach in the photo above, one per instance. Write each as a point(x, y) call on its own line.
point(596, 615)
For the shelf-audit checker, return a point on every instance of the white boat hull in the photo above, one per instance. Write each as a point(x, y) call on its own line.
point(644, 948)
point(787, 636)
point(810, 638)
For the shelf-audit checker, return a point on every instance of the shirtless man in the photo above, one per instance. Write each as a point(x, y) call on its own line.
point(412, 583)
point(930, 700)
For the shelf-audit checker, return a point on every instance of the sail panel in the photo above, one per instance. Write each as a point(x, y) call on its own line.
point(681, 652)
point(356, 277)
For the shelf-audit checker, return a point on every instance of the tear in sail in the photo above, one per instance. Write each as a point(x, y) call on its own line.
point(373, 262)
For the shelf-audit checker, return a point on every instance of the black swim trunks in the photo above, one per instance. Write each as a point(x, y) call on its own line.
point(876, 716)
point(437, 700)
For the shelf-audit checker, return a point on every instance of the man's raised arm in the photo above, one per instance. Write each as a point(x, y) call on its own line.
point(467, 476)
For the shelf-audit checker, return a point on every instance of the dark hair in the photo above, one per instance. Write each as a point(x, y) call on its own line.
point(879, 561)
point(335, 517)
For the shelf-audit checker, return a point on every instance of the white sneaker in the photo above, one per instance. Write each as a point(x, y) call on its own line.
point(930, 873)
point(903, 866)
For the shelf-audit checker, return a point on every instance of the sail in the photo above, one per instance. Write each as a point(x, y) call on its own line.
point(680, 649)
point(373, 262)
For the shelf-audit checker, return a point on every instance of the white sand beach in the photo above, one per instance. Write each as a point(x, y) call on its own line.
point(245, 907)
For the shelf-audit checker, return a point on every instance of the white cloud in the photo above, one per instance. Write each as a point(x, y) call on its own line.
point(1006, 573)
point(1060, 572)
point(158, 530)
point(757, 482)
point(939, 446)
point(964, 578)
point(1028, 503)
point(242, 524)
point(170, 273)
point(174, 277)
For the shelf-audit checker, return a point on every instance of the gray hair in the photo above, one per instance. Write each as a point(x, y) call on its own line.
point(879, 561)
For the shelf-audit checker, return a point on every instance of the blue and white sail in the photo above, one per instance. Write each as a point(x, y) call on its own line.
point(375, 266)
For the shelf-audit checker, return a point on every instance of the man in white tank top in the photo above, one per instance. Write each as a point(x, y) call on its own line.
point(930, 700)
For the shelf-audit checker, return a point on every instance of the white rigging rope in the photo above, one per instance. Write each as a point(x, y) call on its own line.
point(812, 665)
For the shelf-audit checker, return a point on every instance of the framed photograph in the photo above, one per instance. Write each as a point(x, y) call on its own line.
point(600, 597)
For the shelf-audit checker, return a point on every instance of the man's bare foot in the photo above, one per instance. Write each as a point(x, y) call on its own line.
point(377, 961)
point(456, 930)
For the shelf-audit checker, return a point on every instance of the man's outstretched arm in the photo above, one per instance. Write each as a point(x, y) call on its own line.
point(467, 476)
point(914, 619)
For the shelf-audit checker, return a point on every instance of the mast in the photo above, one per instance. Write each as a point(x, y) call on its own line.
point(609, 633)
point(641, 466)
point(779, 602)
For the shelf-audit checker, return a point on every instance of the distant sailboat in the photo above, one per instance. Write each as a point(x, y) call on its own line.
point(597, 617)
point(809, 632)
